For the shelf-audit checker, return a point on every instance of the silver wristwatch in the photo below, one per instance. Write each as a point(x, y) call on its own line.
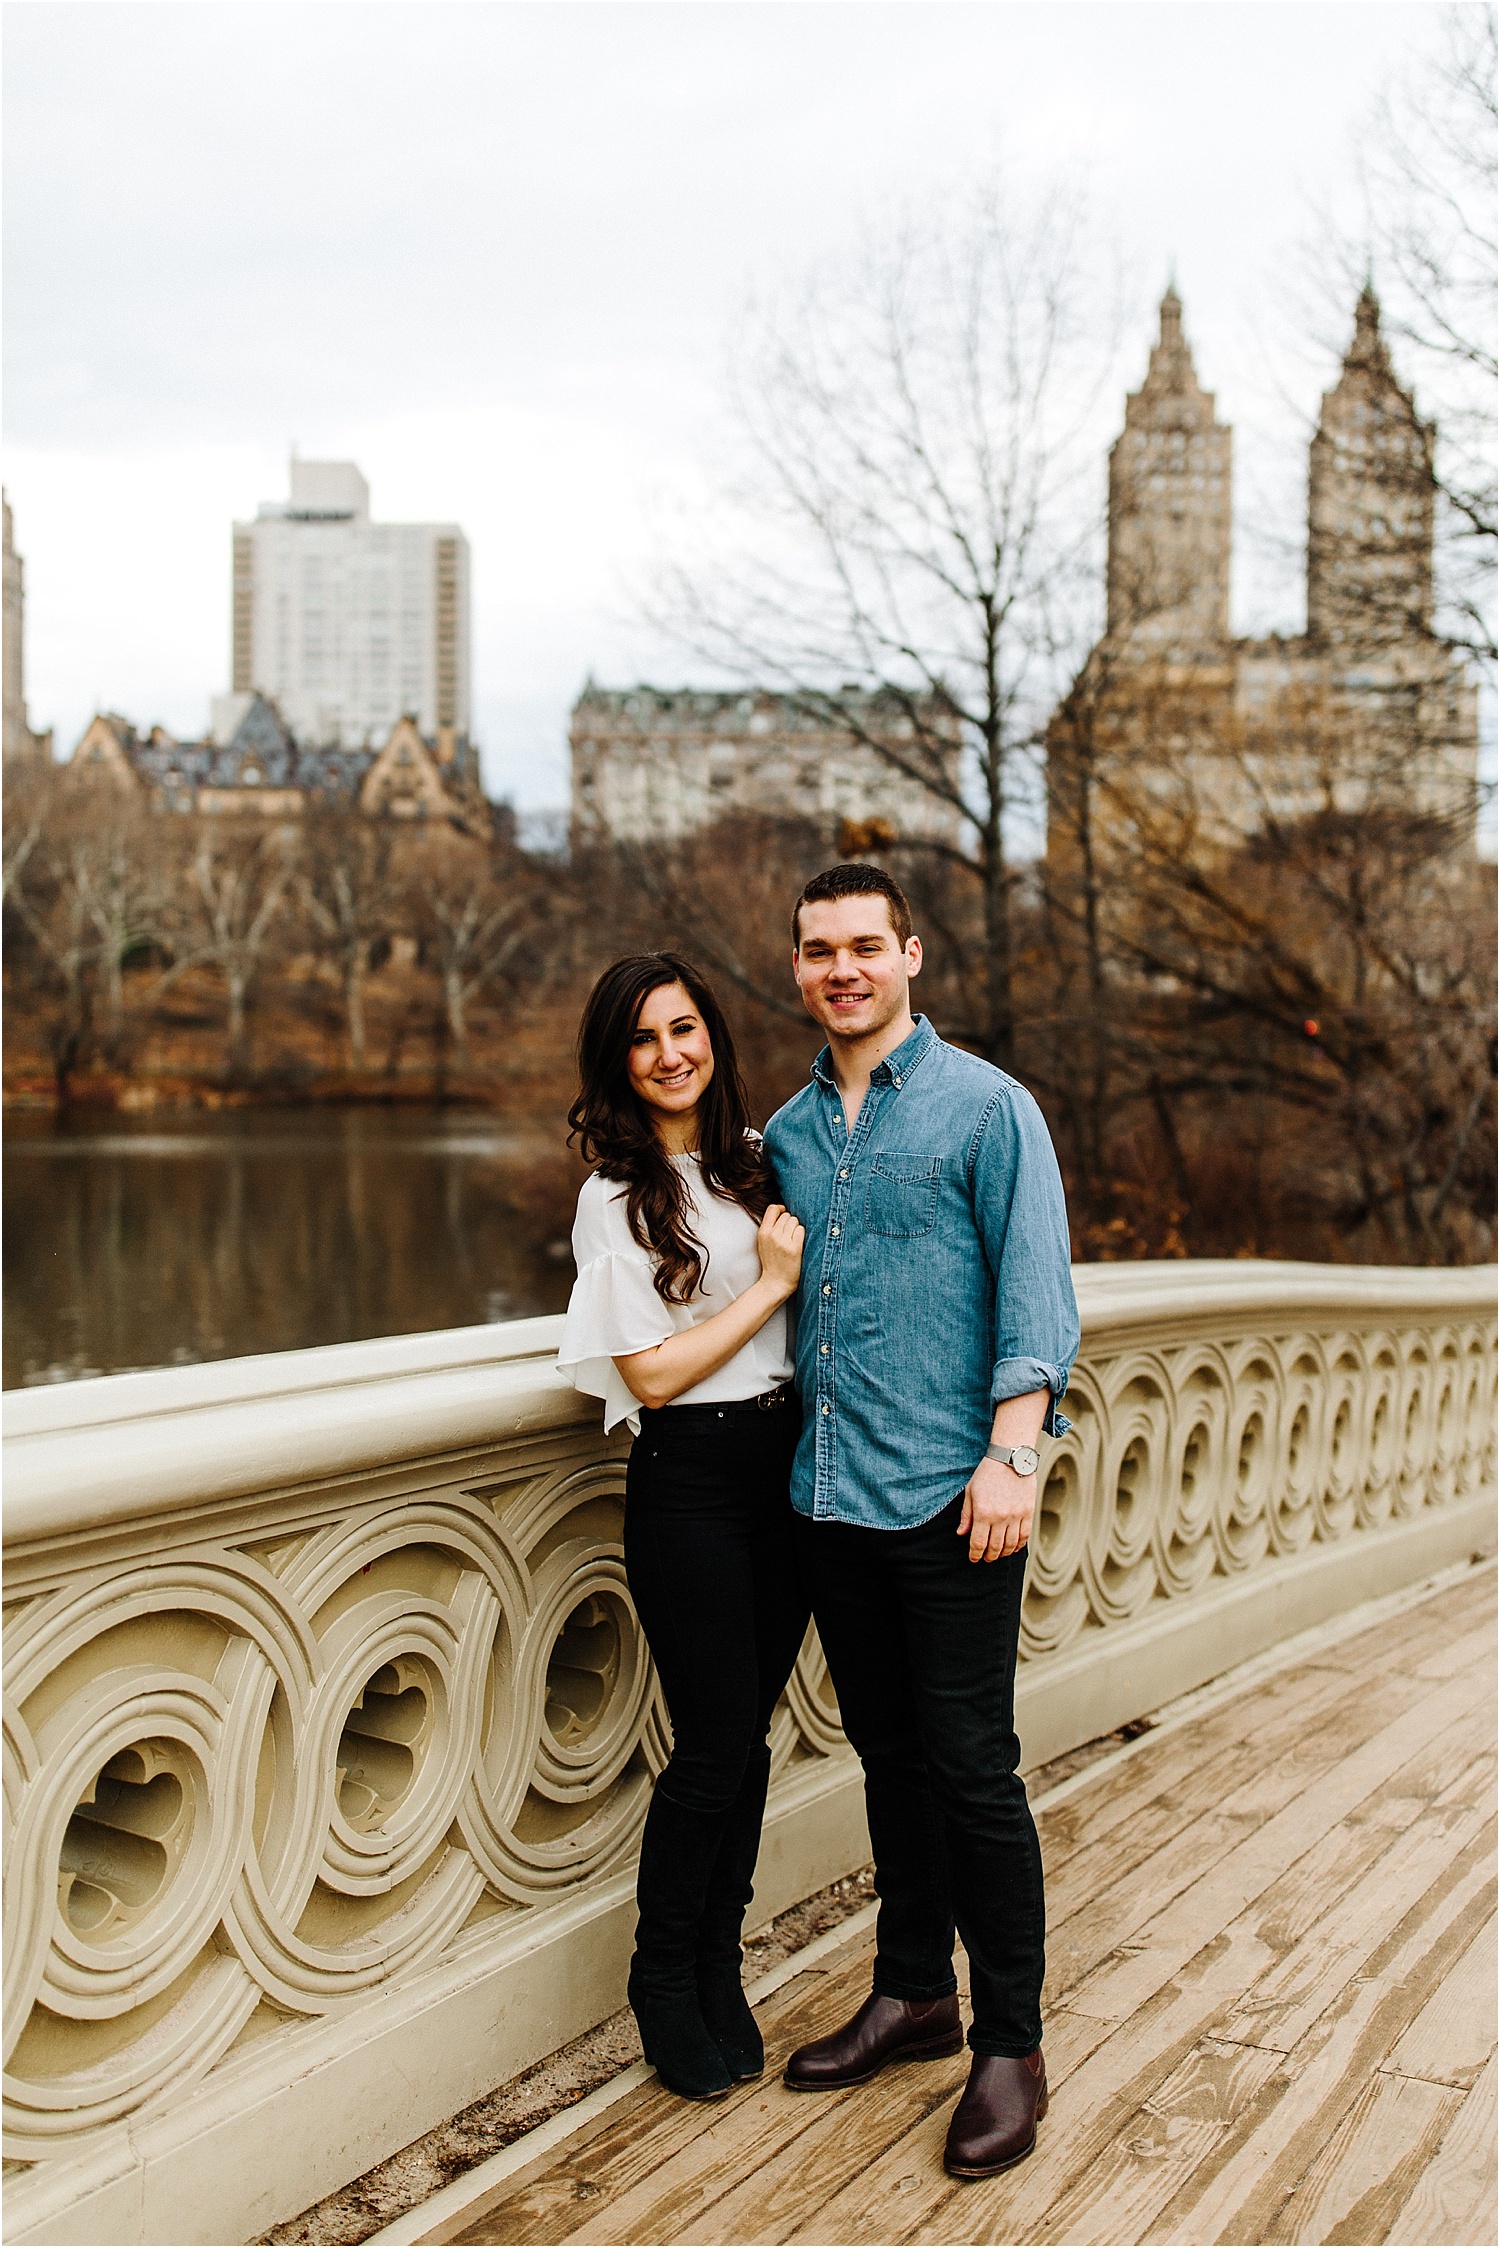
point(1021, 1457)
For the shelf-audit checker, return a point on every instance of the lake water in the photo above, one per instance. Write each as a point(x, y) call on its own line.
point(155, 1241)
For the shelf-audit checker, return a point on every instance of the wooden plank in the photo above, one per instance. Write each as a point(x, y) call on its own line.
point(1356, 2183)
point(1448, 1615)
point(1282, 2007)
point(1299, 1902)
point(1453, 2203)
point(1080, 1944)
point(1192, 1769)
point(1476, 1781)
point(1159, 2147)
point(1454, 2035)
point(1089, 2111)
point(866, 2166)
point(1458, 1652)
point(1174, 1936)
point(545, 2209)
point(744, 2134)
point(1239, 2195)
point(1291, 1698)
point(835, 2144)
point(1197, 1763)
point(1118, 2077)
point(634, 2141)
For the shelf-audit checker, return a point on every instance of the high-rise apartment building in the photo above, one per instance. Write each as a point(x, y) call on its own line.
point(346, 624)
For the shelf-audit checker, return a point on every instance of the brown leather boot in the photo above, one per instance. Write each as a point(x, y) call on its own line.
point(884, 2029)
point(994, 2124)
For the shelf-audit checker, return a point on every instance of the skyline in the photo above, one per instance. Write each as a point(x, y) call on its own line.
point(498, 269)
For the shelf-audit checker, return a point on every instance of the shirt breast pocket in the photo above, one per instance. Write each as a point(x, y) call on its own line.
point(902, 1195)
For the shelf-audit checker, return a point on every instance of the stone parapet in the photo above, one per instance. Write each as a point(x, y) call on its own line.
point(329, 1728)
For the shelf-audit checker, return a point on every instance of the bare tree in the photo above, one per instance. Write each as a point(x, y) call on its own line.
point(231, 904)
point(1298, 948)
point(1425, 234)
point(922, 495)
point(29, 795)
point(346, 890)
point(481, 906)
point(126, 879)
point(88, 880)
point(51, 942)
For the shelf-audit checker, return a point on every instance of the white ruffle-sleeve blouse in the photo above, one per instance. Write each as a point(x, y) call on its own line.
point(615, 1309)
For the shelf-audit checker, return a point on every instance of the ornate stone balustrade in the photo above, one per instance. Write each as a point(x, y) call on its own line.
point(329, 1731)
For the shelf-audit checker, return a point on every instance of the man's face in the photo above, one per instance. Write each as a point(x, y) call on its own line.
point(851, 968)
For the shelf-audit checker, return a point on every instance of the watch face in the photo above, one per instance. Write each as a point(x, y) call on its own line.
point(1024, 1460)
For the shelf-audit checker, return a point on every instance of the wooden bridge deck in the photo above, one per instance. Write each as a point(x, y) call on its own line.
point(1271, 2006)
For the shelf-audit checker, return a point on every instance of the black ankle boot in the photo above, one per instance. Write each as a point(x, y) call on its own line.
point(726, 2010)
point(730, 2023)
point(676, 2042)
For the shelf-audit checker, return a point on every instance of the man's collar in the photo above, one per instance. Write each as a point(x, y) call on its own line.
point(895, 1066)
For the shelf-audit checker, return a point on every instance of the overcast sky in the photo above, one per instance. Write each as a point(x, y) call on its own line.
point(493, 252)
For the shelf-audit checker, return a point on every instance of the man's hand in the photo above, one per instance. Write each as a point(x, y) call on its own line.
point(997, 1511)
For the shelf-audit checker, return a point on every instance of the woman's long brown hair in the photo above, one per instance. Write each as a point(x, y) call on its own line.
point(614, 1129)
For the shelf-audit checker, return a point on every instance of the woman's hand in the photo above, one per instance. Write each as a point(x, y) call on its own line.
point(779, 1242)
point(664, 1371)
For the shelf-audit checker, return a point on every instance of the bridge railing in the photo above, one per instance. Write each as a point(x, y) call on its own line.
point(329, 1728)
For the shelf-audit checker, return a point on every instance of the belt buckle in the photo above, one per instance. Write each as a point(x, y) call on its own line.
point(769, 1398)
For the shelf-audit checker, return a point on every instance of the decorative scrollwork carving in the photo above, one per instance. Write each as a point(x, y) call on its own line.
point(279, 1765)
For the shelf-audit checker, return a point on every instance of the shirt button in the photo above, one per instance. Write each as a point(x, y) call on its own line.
point(834, 1230)
point(826, 1289)
point(826, 1407)
point(895, 1080)
point(843, 1174)
point(824, 1349)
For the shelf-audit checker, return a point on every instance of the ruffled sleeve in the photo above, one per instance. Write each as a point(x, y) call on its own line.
point(614, 1308)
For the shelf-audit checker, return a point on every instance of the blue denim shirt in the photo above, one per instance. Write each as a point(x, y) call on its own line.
point(935, 1280)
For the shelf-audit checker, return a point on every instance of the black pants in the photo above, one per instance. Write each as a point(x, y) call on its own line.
point(921, 1644)
point(711, 1557)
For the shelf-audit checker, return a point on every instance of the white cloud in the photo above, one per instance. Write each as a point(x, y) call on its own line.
point(491, 252)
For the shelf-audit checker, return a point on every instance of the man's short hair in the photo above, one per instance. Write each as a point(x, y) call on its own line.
point(855, 879)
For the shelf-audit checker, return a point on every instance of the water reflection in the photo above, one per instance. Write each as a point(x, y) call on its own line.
point(131, 1242)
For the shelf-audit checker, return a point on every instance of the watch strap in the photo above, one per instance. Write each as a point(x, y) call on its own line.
point(1005, 1453)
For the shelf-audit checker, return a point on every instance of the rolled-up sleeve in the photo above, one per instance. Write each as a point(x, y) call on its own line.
point(1023, 1222)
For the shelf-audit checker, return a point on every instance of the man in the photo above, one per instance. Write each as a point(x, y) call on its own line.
point(935, 1328)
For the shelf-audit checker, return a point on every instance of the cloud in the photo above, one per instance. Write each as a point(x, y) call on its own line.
point(492, 252)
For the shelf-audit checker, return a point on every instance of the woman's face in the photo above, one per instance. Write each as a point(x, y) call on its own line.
point(671, 1054)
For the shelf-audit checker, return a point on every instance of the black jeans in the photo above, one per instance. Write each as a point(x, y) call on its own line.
point(921, 1644)
point(710, 1553)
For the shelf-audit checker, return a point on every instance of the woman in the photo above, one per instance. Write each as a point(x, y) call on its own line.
point(678, 1320)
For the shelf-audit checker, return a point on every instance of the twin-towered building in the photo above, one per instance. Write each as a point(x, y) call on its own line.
point(1251, 724)
point(1366, 703)
point(1370, 505)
